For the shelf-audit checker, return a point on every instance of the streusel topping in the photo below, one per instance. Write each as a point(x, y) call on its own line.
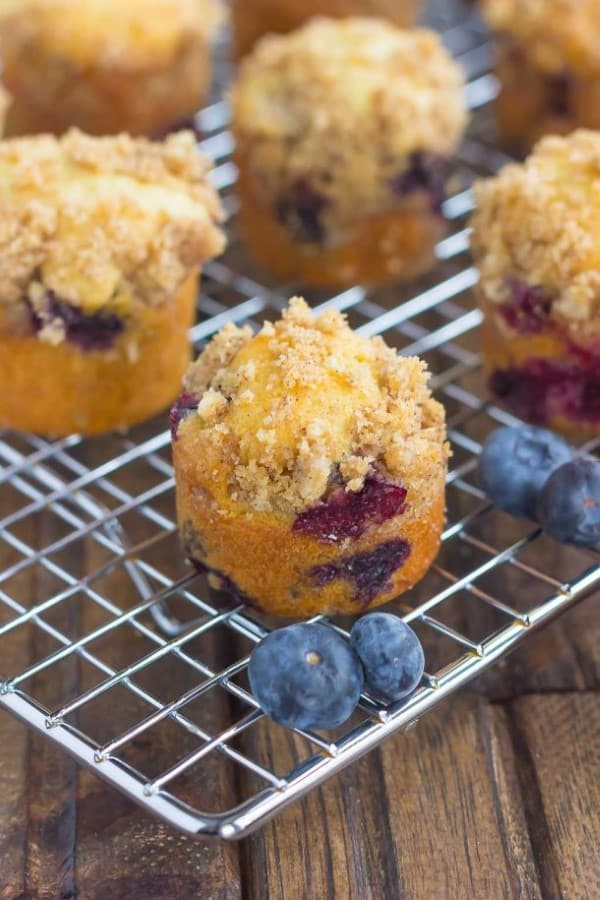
point(346, 102)
point(104, 222)
point(306, 400)
point(539, 223)
point(122, 34)
point(559, 34)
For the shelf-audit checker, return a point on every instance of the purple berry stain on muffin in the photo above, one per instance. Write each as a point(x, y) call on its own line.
point(300, 212)
point(348, 514)
point(98, 331)
point(425, 172)
point(542, 389)
point(528, 309)
point(558, 94)
point(370, 572)
point(184, 405)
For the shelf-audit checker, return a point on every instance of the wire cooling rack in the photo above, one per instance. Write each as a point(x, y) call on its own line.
point(137, 669)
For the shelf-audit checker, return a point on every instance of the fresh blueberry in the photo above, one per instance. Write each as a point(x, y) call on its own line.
point(306, 676)
point(516, 462)
point(569, 504)
point(391, 655)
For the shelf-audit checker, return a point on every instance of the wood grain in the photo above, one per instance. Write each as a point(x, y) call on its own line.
point(121, 853)
point(433, 813)
point(557, 744)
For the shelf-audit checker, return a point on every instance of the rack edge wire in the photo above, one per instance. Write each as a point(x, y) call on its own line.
point(241, 821)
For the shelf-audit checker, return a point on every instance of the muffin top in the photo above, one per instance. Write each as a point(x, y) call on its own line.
point(347, 101)
point(103, 222)
point(539, 223)
point(302, 407)
point(559, 34)
point(113, 33)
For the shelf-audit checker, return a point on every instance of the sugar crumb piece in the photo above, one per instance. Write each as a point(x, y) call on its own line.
point(211, 406)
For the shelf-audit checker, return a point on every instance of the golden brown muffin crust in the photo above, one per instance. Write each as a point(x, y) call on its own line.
point(346, 101)
point(115, 34)
point(104, 222)
point(280, 410)
point(539, 222)
point(558, 34)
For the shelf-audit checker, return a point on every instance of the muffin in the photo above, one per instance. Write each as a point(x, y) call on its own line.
point(101, 240)
point(310, 466)
point(105, 66)
point(548, 65)
point(536, 240)
point(4, 104)
point(252, 19)
point(343, 132)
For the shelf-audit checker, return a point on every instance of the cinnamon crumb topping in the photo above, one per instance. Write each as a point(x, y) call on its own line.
point(104, 222)
point(302, 400)
point(539, 222)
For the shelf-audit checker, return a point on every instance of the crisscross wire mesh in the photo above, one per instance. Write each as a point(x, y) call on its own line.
point(136, 667)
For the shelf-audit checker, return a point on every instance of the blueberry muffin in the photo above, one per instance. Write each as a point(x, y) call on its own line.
point(254, 18)
point(343, 131)
point(101, 240)
point(310, 466)
point(548, 65)
point(4, 104)
point(105, 66)
point(536, 240)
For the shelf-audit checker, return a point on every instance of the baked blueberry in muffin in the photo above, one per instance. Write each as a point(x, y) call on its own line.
point(105, 66)
point(254, 18)
point(101, 240)
point(310, 466)
point(536, 240)
point(548, 65)
point(344, 129)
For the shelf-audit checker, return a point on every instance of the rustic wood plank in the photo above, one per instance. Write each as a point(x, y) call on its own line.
point(13, 781)
point(121, 851)
point(556, 740)
point(36, 809)
point(434, 813)
point(51, 774)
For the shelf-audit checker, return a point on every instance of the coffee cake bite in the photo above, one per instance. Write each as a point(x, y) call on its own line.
point(536, 240)
point(101, 240)
point(252, 19)
point(310, 466)
point(548, 65)
point(343, 132)
point(105, 66)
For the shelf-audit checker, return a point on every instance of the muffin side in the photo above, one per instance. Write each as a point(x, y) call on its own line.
point(310, 466)
point(536, 241)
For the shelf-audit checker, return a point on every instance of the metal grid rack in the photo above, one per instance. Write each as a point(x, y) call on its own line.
point(89, 528)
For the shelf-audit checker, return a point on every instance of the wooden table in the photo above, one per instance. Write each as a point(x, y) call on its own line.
point(495, 795)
